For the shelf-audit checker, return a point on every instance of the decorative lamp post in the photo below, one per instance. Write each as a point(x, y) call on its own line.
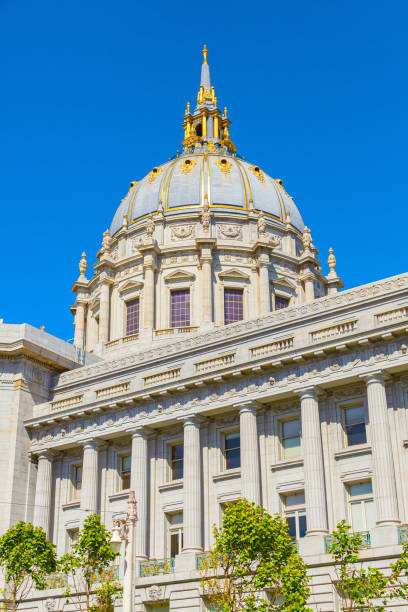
point(124, 529)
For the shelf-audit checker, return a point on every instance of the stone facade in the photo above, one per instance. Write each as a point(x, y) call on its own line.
point(299, 405)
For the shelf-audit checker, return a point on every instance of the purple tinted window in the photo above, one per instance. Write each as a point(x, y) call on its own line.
point(281, 302)
point(233, 305)
point(180, 308)
point(132, 317)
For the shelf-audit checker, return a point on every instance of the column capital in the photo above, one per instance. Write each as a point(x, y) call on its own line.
point(140, 431)
point(376, 376)
point(247, 406)
point(45, 454)
point(312, 392)
point(191, 419)
point(93, 443)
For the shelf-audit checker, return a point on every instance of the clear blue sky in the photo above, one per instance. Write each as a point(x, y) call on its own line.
point(93, 94)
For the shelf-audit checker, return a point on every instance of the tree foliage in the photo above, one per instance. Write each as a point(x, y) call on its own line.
point(255, 554)
point(26, 558)
point(360, 586)
point(106, 594)
point(89, 557)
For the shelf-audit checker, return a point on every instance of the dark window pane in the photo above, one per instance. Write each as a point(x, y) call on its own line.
point(232, 440)
point(233, 305)
point(356, 434)
point(302, 526)
point(177, 451)
point(174, 544)
point(132, 317)
point(177, 469)
point(180, 308)
point(354, 415)
point(292, 526)
point(281, 302)
point(233, 458)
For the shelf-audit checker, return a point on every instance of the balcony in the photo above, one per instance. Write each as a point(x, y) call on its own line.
point(60, 581)
point(364, 535)
point(156, 567)
point(402, 534)
point(209, 560)
point(173, 331)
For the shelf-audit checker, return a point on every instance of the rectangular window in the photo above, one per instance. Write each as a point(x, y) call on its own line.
point(175, 533)
point(124, 471)
point(362, 508)
point(295, 513)
point(177, 461)
point(290, 438)
point(132, 317)
point(180, 308)
point(76, 481)
point(232, 450)
point(72, 537)
point(354, 425)
point(233, 305)
point(281, 302)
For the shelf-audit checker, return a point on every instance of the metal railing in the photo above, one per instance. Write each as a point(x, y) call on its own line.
point(364, 535)
point(155, 567)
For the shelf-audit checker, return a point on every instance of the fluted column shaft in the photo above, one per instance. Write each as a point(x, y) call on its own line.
point(315, 487)
point(138, 484)
point(384, 484)
point(309, 289)
point(148, 293)
point(89, 490)
point(104, 313)
point(42, 503)
point(264, 289)
point(192, 485)
point(79, 324)
point(250, 468)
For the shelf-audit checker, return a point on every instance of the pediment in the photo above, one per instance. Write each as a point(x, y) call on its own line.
point(130, 285)
point(284, 282)
point(233, 273)
point(179, 275)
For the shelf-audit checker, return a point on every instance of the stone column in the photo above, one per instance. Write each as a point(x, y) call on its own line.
point(312, 450)
point(192, 486)
point(206, 244)
point(264, 288)
point(89, 490)
point(42, 503)
point(384, 476)
point(250, 468)
point(148, 294)
point(104, 313)
point(79, 324)
point(138, 484)
point(309, 288)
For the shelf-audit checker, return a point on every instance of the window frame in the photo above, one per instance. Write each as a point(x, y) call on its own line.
point(75, 492)
point(173, 290)
point(129, 300)
point(174, 529)
point(294, 510)
point(120, 471)
point(282, 297)
point(281, 422)
point(368, 497)
point(226, 433)
point(343, 407)
point(242, 290)
point(70, 539)
point(170, 460)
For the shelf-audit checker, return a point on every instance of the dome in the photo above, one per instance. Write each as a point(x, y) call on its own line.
point(230, 183)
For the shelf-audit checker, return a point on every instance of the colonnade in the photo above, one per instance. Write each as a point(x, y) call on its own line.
point(313, 461)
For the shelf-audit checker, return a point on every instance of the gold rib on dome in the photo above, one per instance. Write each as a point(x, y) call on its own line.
point(206, 128)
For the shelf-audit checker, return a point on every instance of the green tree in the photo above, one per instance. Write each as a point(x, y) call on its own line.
point(26, 558)
point(88, 559)
point(254, 552)
point(106, 594)
point(360, 586)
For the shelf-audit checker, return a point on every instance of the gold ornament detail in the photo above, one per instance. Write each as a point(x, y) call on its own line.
point(258, 173)
point(211, 147)
point(154, 174)
point(187, 165)
point(224, 165)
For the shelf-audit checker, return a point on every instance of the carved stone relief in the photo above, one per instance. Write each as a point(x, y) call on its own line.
point(182, 232)
point(231, 232)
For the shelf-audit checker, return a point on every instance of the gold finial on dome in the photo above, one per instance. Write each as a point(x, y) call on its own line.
point(205, 53)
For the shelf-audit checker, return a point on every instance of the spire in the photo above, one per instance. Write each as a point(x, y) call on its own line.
point(205, 72)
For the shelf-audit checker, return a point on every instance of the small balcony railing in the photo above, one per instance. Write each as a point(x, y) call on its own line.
point(402, 534)
point(364, 535)
point(172, 331)
point(60, 581)
point(209, 560)
point(155, 567)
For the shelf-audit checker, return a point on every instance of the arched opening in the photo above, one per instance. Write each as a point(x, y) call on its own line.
point(199, 130)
